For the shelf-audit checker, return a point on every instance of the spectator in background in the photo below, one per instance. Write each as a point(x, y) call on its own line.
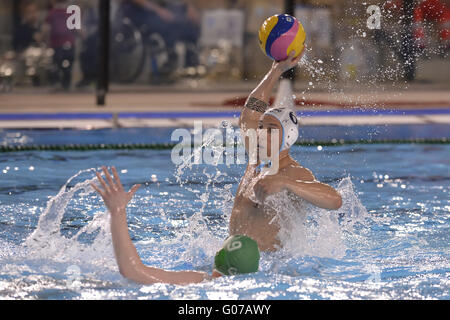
point(89, 45)
point(27, 28)
point(62, 41)
point(176, 21)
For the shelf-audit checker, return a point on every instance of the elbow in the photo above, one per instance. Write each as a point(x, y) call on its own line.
point(137, 275)
point(336, 202)
point(129, 273)
point(132, 276)
point(126, 273)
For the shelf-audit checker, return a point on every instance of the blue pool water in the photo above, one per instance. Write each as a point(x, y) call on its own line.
point(390, 239)
point(163, 135)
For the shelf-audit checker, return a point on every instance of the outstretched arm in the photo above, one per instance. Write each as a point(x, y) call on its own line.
point(258, 100)
point(130, 264)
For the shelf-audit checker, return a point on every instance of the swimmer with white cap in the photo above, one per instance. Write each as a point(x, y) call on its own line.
point(288, 123)
point(238, 255)
point(250, 215)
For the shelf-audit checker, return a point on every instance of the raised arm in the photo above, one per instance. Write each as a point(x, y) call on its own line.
point(130, 264)
point(258, 100)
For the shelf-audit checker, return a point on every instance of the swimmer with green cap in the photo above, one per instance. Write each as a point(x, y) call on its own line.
point(239, 254)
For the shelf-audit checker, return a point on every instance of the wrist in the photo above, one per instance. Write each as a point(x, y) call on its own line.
point(118, 214)
point(276, 71)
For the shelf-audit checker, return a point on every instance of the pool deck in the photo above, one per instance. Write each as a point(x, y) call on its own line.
point(165, 107)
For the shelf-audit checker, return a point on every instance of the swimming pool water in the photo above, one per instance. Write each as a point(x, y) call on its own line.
point(163, 135)
point(390, 240)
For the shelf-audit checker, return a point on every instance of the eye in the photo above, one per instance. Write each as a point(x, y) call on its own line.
point(260, 126)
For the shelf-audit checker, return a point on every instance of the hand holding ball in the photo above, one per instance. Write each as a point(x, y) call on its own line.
point(279, 35)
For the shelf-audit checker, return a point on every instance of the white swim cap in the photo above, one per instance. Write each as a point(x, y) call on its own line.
point(289, 124)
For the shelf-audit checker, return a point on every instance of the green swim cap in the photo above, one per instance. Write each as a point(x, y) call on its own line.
point(239, 254)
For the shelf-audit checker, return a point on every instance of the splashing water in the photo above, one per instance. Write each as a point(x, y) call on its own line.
point(195, 157)
point(305, 230)
point(325, 253)
point(202, 243)
point(47, 241)
point(309, 230)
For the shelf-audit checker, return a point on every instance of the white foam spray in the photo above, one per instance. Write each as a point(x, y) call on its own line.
point(309, 230)
point(47, 241)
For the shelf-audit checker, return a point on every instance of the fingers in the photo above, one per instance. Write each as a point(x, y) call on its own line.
point(97, 189)
point(102, 182)
point(112, 185)
point(116, 177)
point(133, 190)
point(298, 58)
point(291, 54)
point(108, 177)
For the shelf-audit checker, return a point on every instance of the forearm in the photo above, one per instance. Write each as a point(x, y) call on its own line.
point(127, 257)
point(149, 275)
point(264, 89)
point(317, 193)
point(131, 266)
point(258, 100)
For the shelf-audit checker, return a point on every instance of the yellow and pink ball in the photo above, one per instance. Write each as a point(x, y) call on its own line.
point(279, 35)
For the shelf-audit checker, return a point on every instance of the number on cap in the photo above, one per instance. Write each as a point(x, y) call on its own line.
point(234, 245)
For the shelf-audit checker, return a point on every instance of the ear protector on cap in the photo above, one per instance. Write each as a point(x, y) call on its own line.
point(289, 124)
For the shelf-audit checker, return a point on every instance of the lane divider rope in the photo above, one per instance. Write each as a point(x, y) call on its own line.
point(166, 146)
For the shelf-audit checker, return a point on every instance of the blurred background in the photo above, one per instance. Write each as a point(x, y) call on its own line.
point(212, 45)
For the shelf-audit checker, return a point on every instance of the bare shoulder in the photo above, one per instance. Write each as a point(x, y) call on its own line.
point(296, 171)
